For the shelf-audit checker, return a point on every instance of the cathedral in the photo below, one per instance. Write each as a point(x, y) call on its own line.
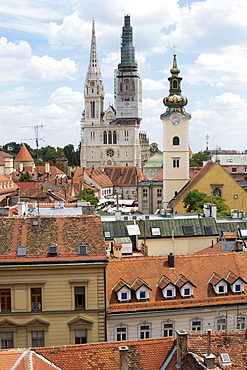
point(112, 137)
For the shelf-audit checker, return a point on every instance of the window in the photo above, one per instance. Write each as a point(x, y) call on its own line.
point(121, 333)
point(79, 297)
point(159, 192)
point(145, 204)
point(110, 153)
point(234, 169)
point(169, 293)
point(7, 340)
point(36, 299)
point(82, 250)
point(92, 109)
point(217, 192)
point(221, 289)
point(109, 137)
point(80, 336)
point(187, 292)
point(208, 230)
point(155, 231)
point(221, 324)
point(159, 204)
point(196, 324)
point(142, 294)
point(175, 140)
point(124, 296)
point(240, 322)
point(237, 288)
point(5, 299)
point(188, 230)
point(168, 329)
point(126, 135)
point(37, 339)
point(105, 137)
point(174, 84)
point(144, 331)
point(144, 192)
point(114, 137)
point(107, 234)
point(175, 162)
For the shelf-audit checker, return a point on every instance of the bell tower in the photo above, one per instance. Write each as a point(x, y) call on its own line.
point(175, 137)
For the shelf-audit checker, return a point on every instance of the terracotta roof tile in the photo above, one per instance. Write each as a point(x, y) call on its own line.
point(197, 269)
point(98, 176)
point(139, 283)
point(119, 284)
point(147, 354)
point(24, 155)
point(124, 176)
point(215, 278)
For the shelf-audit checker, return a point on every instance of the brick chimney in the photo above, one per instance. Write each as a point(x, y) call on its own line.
point(209, 358)
point(182, 351)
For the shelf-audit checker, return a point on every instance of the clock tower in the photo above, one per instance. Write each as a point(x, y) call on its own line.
point(175, 138)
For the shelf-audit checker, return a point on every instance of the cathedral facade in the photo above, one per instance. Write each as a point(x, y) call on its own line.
point(112, 137)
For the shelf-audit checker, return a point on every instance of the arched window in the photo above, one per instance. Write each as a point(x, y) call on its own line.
point(92, 109)
point(175, 84)
point(109, 137)
point(175, 140)
point(114, 137)
point(105, 137)
point(121, 86)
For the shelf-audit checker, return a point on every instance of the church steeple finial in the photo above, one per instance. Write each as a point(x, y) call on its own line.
point(175, 102)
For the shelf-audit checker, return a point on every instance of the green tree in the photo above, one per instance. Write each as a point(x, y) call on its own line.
point(198, 159)
point(194, 201)
point(89, 196)
point(26, 177)
point(48, 153)
point(154, 148)
point(72, 155)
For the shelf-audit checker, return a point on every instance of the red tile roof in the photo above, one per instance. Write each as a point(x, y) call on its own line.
point(147, 354)
point(197, 269)
point(99, 177)
point(24, 155)
point(2, 156)
point(124, 176)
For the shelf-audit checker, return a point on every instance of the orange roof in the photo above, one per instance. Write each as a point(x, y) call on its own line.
point(159, 176)
point(197, 269)
point(148, 354)
point(2, 156)
point(99, 177)
point(24, 155)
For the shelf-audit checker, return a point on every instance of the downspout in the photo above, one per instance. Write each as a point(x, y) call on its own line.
point(105, 303)
point(174, 243)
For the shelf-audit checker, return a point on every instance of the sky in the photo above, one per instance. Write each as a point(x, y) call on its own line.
point(44, 55)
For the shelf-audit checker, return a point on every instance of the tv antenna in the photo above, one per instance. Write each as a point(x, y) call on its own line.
point(37, 138)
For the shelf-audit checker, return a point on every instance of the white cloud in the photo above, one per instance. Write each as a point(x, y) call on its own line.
point(20, 49)
point(48, 68)
point(149, 84)
point(65, 95)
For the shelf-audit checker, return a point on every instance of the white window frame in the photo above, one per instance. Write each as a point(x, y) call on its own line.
point(176, 162)
point(123, 332)
point(170, 329)
point(233, 286)
point(124, 289)
point(144, 330)
point(169, 287)
point(240, 322)
point(186, 286)
point(143, 288)
point(221, 326)
point(195, 326)
point(223, 284)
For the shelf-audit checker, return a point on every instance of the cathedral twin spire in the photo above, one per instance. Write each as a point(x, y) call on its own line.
point(93, 71)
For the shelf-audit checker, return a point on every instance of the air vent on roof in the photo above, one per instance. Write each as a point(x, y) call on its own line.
point(82, 250)
point(52, 250)
point(21, 251)
point(123, 348)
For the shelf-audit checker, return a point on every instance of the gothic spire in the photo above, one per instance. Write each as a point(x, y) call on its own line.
point(93, 71)
point(127, 49)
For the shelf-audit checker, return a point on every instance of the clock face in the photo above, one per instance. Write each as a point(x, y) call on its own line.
point(92, 83)
point(175, 120)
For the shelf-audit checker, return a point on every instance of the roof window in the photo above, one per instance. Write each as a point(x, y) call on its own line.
point(82, 250)
point(107, 234)
point(225, 359)
point(155, 231)
point(188, 230)
point(21, 251)
point(52, 250)
point(208, 230)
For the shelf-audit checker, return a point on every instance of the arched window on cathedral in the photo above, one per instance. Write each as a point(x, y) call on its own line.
point(114, 137)
point(121, 86)
point(109, 137)
point(92, 109)
point(175, 140)
point(105, 137)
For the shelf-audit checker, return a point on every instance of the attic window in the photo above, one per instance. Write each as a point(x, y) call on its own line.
point(225, 359)
point(21, 251)
point(52, 250)
point(208, 230)
point(155, 231)
point(243, 233)
point(82, 250)
point(188, 230)
point(107, 234)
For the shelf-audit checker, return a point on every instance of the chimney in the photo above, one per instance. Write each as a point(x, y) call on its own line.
point(209, 358)
point(117, 250)
point(182, 351)
point(33, 167)
point(21, 167)
point(47, 167)
point(123, 354)
point(170, 260)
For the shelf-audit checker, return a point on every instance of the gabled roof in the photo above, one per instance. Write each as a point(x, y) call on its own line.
point(231, 278)
point(138, 283)
point(155, 271)
point(215, 279)
point(124, 176)
point(190, 185)
point(23, 155)
point(155, 161)
point(182, 280)
point(98, 176)
point(119, 284)
point(4, 155)
point(146, 354)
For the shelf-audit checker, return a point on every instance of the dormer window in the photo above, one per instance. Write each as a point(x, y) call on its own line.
point(236, 283)
point(218, 283)
point(141, 289)
point(123, 291)
point(185, 286)
point(167, 287)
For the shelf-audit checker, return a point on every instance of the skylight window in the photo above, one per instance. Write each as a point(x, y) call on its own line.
point(82, 250)
point(155, 231)
point(208, 230)
point(188, 230)
point(21, 251)
point(52, 250)
point(107, 234)
point(225, 359)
